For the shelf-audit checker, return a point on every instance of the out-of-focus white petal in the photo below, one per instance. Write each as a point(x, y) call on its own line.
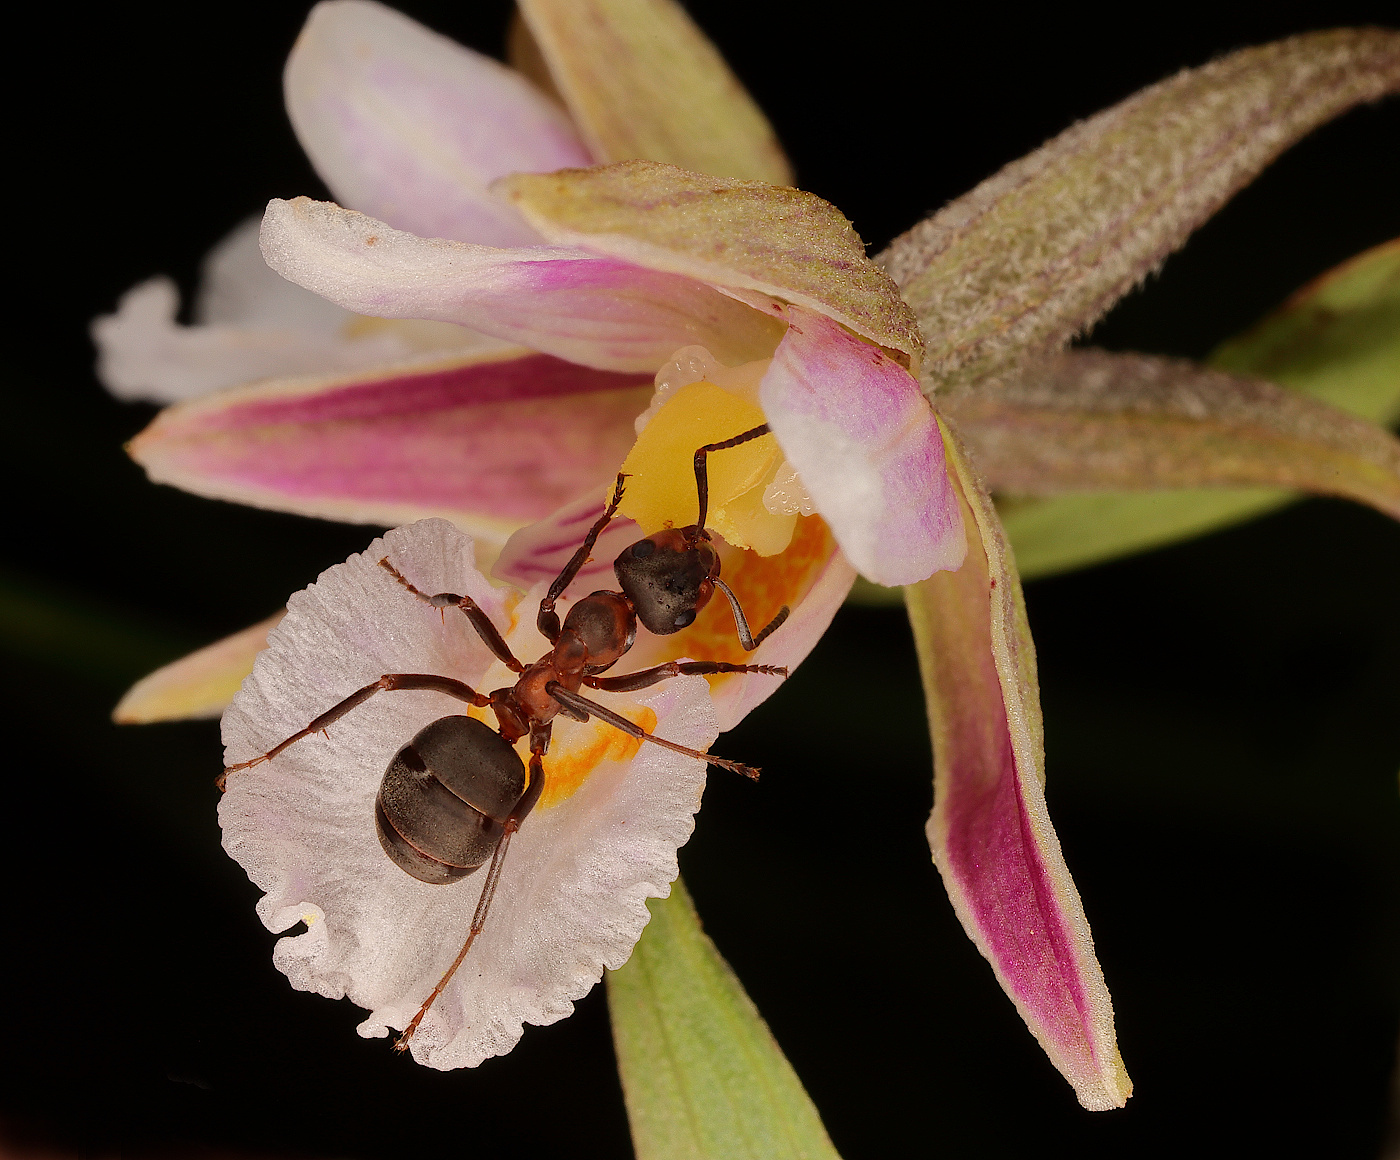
point(865, 442)
point(572, 895)
point(410, 127)
point(236, 288)
point(600, 312)
point(251, 324)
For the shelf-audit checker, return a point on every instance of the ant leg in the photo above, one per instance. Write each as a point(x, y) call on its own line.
point(388, 682)
point(617, 721)
point(479, 620)
point(741, 622)
point(644, 678)
point(702, 479)
point(548, 620)
point(538, 741)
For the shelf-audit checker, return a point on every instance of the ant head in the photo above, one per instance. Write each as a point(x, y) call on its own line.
point(669, 577)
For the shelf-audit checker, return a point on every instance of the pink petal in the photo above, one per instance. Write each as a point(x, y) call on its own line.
point(408, 126)
point(490, 442)
point(865, 442)
point(990, 831)
point(601, 312)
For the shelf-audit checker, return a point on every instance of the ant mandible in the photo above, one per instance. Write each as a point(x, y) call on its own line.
point(453, 796)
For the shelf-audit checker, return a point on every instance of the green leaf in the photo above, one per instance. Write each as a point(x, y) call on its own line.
point(1336, 340)
point(702, 1075)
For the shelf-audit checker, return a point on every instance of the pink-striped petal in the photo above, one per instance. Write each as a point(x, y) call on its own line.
point(600, 312)
point(539, 551)
point(865, 442)
point(990, 831)
point(410, 127)
point(490, 442)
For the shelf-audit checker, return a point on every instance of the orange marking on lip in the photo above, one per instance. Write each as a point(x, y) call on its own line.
point(763, 585)
point(579, 747)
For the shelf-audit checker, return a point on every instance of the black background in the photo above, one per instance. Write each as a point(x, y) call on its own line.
point(1221, 717)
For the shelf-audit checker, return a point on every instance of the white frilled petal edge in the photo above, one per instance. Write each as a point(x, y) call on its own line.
point(572, 896)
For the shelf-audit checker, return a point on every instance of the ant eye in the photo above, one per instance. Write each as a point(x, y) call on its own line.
point(685, 619)
point(642, 549)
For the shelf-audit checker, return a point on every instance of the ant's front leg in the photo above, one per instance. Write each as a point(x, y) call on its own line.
point(474, 613)
point(388, 682)
point(548, 620)
point(644, 678)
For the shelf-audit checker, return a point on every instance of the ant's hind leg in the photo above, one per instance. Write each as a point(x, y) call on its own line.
point(474, 613)
point(493, 878)
point(388, 682)
point(645, 678)
point(548, 620)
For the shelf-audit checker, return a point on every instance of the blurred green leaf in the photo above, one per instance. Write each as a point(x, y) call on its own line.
point(1336, 340)
point(701, 1073)
point(78, 635)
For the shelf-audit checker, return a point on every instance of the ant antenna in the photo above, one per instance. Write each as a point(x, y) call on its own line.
point(702, 481)
point(741, 622)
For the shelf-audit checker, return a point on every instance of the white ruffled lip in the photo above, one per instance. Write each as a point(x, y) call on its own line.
point(572, 895)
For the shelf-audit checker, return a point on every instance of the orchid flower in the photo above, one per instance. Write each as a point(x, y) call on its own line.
point(471, 207)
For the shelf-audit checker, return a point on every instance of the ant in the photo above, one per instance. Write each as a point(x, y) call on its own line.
point(453, 796)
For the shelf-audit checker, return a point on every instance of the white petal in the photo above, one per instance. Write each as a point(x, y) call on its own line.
point(572, 895)
point(236, 288)
point(143, 353)
point(411, 128)
point(564, 301)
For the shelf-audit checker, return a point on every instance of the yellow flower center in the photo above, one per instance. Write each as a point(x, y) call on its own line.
point(661, 488)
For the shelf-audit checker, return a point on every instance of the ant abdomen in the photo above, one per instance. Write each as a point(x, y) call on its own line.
point(444, 798)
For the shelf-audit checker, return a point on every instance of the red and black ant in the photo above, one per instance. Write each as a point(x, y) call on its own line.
point(453, 796)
